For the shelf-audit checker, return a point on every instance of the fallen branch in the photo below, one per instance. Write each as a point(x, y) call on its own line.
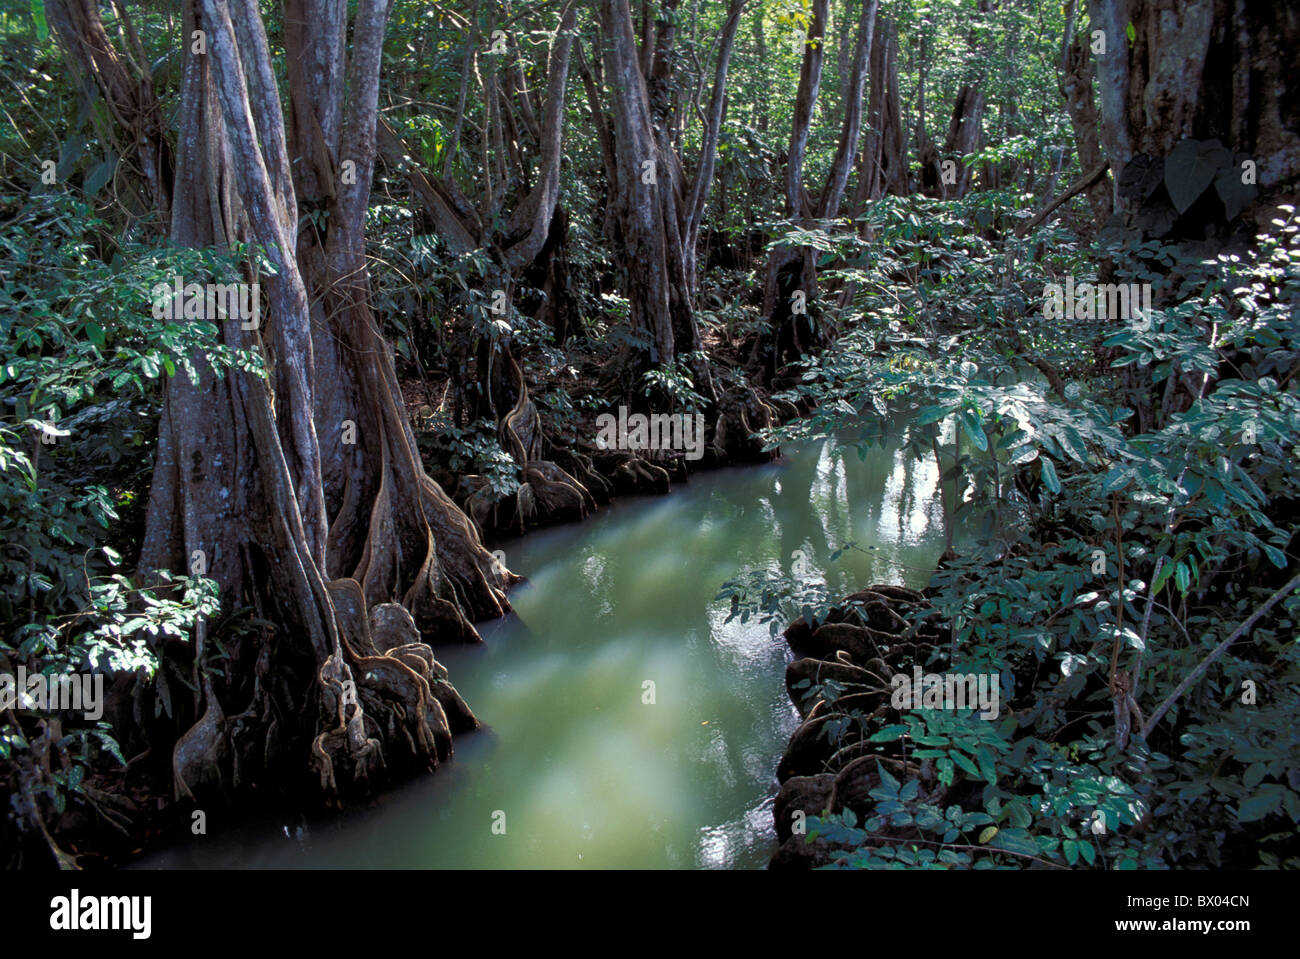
point(1081, 184)
point(1218, 651)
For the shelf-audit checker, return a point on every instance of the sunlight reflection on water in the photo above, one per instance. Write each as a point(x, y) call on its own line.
point(587, 771)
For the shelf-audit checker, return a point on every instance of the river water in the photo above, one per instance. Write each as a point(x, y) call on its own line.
point(575, 768)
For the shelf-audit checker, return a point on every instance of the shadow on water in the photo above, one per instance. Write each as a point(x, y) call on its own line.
point(577, 765)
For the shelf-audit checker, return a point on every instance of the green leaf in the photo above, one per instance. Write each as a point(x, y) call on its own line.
point(110, 745)
point(1166, 571)
point(931, 414)
point(974, 431)
point(100, 174)
point(1275, 555)
point(1073, 444)
point(1190, 168)
point(1258, 806)
point(1235, 194)
point(1017, 841)
point(1117, 479)
point(1023, 454)
point(888, 734)
point(1049, 474)
point(887, 779)
point(962, 760)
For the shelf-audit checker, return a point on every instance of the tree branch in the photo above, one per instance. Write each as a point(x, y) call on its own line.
point(1218, 651)
point(1081, 184)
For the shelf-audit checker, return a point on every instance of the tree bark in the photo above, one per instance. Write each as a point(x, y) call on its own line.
point(703, 180)
point(647, 196)
point(793, 271)
point(1076, 87)
point(127, 90)
point(351, 549)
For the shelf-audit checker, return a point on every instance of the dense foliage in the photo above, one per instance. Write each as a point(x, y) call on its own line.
point(1118, 493)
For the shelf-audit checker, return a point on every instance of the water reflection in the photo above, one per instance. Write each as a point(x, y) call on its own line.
point(630, 725)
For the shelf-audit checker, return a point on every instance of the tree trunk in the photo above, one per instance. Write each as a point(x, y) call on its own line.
point(884, 157)
point(703, 180)
point(531, 244)
point(965, 129)
point(127, 89)
point(647, 197)
point(792, 272)
point(790, 269)
point(351, 549)
point(1076, 87)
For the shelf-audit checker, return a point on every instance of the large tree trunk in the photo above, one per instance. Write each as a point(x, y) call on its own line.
point(790, 270)
point(648, 194)
point(703, 180)
point(965, 128)
point(1200, 70)
point(304, 491)
point(884, 152)
point(530, 243)
point(838, 177)
point(1204, 69)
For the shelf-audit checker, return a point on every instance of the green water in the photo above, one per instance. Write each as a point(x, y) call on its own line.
point(577, 767)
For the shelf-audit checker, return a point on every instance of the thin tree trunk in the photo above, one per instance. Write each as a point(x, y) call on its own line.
point(703, 181)
point(1076, 86)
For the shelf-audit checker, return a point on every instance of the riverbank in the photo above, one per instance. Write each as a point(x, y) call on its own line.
point(581, 757)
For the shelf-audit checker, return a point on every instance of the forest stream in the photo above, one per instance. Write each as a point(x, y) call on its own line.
point(587, 773)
